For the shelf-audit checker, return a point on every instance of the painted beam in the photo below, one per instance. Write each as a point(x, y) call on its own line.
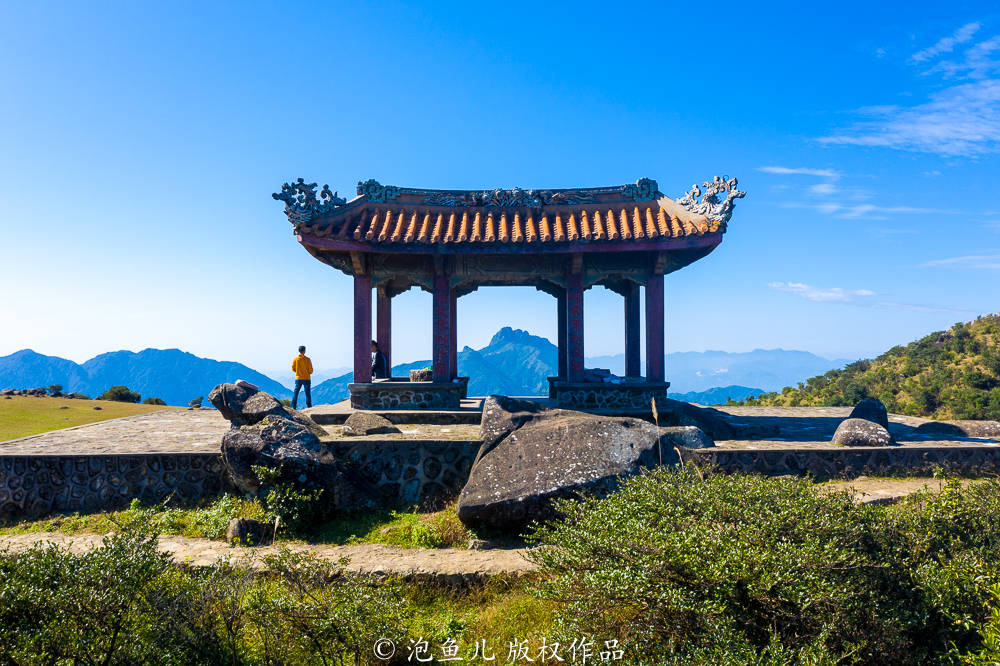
point(362, 328)
point(633, 333)
point(655, 341)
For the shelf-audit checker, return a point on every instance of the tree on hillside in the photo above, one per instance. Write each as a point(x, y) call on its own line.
point(120, 394)
point(55, 390)
point(153, 401)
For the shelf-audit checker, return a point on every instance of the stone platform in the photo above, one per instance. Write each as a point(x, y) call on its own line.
point(155, 454)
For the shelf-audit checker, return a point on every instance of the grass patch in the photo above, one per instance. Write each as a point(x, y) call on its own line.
point(22, 416)
point(209, 519)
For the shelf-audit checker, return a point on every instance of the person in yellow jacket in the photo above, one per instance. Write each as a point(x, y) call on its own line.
point(303, 369)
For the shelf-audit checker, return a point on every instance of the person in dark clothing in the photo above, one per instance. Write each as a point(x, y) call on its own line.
point(380, 369)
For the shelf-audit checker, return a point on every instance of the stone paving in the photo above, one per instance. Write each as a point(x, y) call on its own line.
point(441, 565)
point(200, 431)
point(168, 431)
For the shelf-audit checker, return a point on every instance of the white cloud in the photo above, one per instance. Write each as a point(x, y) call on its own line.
point(862, 297)
point(868, 211)
point(823, 188)
point(962, 120)
point(946, 44)
point(959, 120)
point(830, 294)
point(975, 261)
point(800, 171)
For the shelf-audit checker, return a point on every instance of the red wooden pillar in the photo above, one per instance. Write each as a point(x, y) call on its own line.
point(441, 338)
point(453, 349)
point(362, 329)
point(632, 333)
point(574, 327)
point(383, 325)
point(561, 340)
point(655, 348)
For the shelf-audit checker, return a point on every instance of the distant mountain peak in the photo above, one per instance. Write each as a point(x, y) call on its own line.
point(508, 335)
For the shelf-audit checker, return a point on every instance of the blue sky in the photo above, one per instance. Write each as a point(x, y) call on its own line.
point(140, 142)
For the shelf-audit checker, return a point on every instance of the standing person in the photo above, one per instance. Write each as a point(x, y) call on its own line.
point(380, 368)
point(303, 369)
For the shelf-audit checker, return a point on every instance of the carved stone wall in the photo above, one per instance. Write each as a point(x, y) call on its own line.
point(407, 395)
point(592, 395)
point(836, 462)
point(412, 472)
point(33, 486)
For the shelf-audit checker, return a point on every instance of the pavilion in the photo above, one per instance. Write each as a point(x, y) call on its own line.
point(560, 241)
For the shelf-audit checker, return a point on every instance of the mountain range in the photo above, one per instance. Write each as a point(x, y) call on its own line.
point(515, 362)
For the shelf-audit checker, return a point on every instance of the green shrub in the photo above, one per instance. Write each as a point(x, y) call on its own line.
point(120, 394)
point(683, 570)
point(153, 401)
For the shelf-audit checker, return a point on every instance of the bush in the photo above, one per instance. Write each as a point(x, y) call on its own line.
point(683, 571)
point(196, 402)
point(153, 401)
point(124, 603)
point(120, 394)
point(55, 390)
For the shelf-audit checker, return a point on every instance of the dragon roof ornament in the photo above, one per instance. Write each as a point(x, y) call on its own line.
point(711, 206)
point(301, 203)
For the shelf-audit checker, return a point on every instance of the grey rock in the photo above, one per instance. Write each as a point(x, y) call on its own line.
point(711, 421)
point(242, 404)
point(691, 437)
point(482, 544)
point(872, 410)
point(961, 428)
point(300, 458)
point(248, 532)
point(363, 423)
point(422, 375)
point(546, 454)
point(861, 432)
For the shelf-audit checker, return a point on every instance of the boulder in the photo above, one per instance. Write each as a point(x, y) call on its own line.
point(422, 375)
point(872, 410)
point(299, 457)
point(711, 421)
point(690, 437)
point(243, 404)
point(248, 532)
point(861, 432)
point(961, 428)
point(363, 423)
point(531, 456)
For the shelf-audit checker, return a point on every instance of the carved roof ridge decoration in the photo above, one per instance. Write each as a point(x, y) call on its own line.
point(719, 210)
point(644, 189)
point(301, 203)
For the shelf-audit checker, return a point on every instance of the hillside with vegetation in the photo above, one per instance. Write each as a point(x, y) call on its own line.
point(953, 374)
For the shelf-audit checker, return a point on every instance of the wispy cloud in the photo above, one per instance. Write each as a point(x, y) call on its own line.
point(946, 44)
point(829, 294)
point(960, 120)
point(867, 210)
point(974, 261)
point(861, 297)
point(800, 171)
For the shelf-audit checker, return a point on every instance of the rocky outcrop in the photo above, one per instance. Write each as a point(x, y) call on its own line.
point(362, 423)
point(690, 437)
point(531, 456)
point(265, 433)
point(961, 428)
point(711, 421)
point(243, 403)
point(871, 409)
point(422, 375)
point(861, 432)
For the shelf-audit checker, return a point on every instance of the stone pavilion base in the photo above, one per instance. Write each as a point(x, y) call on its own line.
point(627, 397)
point(398, 393)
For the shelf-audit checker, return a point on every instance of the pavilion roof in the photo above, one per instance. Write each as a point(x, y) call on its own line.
point(386, 217)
